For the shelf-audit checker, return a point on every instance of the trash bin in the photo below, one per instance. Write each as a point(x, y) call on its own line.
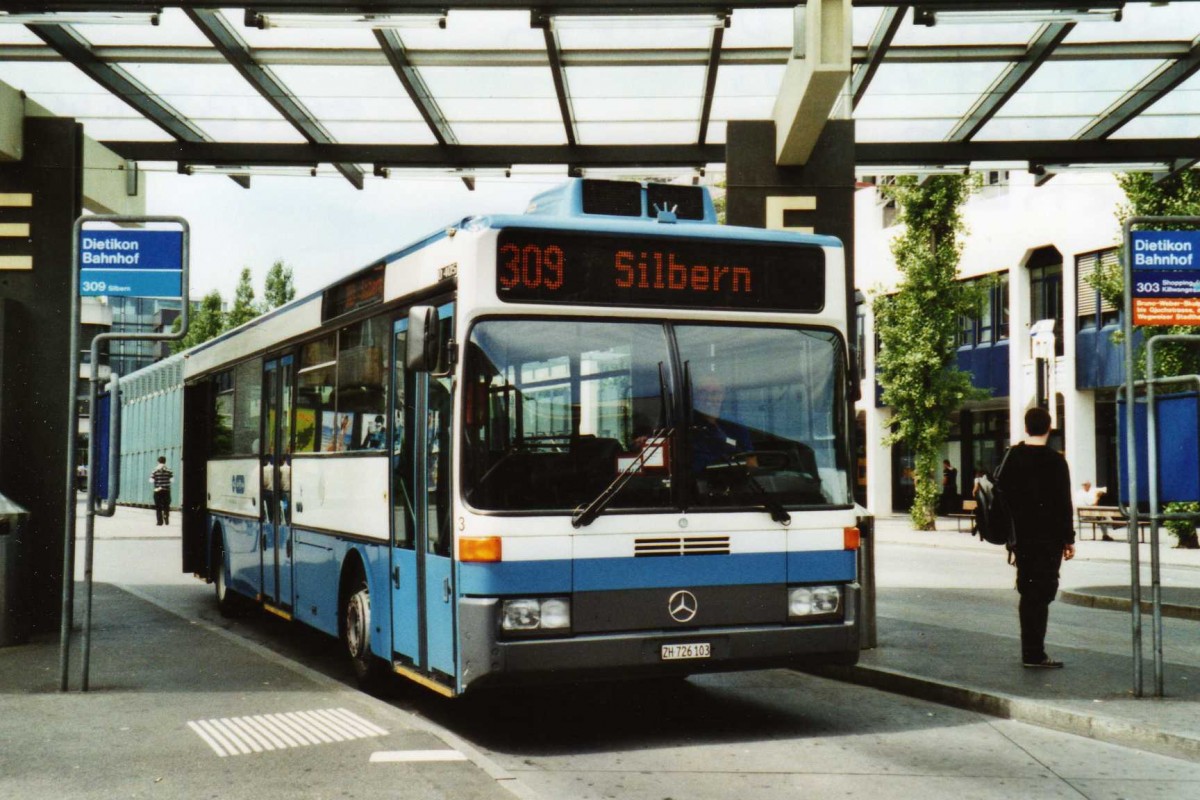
point(14, 621)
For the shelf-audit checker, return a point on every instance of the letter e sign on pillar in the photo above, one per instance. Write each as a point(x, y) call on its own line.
point(778, 208)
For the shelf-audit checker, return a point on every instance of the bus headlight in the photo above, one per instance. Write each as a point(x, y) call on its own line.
point(808, 601)
point(533, 614)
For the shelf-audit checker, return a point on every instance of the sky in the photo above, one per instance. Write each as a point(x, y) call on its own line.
point(323, 228)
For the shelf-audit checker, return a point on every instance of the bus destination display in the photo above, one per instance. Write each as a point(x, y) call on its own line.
point(539, 266)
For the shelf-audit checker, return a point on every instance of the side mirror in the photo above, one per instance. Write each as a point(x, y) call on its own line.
point(424, 340)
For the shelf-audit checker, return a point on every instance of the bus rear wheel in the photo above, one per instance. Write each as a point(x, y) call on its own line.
point(229, 602)
point(356, 635)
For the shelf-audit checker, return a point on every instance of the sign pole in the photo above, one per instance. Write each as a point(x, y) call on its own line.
point(123, 273)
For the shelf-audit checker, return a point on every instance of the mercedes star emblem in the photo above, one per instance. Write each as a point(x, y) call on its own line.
point(682, 606)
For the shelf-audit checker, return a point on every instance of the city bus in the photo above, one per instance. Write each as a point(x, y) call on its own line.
point(606, 438)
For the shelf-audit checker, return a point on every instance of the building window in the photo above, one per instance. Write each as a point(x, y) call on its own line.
point(1046, 291)
point(1091, 309)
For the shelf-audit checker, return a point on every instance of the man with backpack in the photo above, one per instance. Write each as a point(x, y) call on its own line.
point(1036, 485)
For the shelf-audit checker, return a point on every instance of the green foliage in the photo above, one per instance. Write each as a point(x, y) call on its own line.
point(205, 322)
point(244, 308)
point(278, 289)
point(1178, 196)
point(918, 328)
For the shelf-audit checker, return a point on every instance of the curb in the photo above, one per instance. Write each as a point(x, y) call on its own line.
point(995, 704)
point(1109, 603)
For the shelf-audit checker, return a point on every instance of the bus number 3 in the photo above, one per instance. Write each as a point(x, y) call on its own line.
point(531, 267)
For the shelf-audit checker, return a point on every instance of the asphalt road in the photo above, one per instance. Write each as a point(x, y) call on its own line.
point(769, 734)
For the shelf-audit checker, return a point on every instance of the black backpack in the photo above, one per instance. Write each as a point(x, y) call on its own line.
point(993, 521)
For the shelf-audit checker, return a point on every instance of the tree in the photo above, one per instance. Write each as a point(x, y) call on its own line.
point(244, 308)
point(1178, 195)
point(204, 323)
point(278, 289)
point(918, 327)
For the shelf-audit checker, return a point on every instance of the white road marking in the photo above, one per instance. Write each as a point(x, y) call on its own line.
point(398, 756)
point(231, 736)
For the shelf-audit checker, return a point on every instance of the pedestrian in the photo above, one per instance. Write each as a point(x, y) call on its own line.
point(161, 479)
point(1037, 488)
point(950, 504)
point(1088, 495)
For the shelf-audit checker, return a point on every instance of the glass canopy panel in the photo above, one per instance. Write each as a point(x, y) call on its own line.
point(136, 129)
point(902, 130)
point(761, 27)
point(477, 30)
point(637, 132)
point(865, 22)
point(491, 82)
point(203, 90)
point(368, 132)
point(174, 29)
point(657, 33)
point(63, 90)
point(1048, 126)
point(925, 92)
point(349, 94)
point(636, 109)
point(1160, 126)
point(747, 92)
point(507, 133)
point(1065, 94)
point(506, 109)
point(18, 34)
point(251, 130)
point(621, 82)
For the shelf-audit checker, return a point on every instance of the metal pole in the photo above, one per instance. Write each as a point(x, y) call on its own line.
point(68, 587)
point(1135, 588)
point(1152, 467)
point(90, 527)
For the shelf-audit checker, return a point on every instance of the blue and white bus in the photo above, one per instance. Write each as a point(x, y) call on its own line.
point(605, 438)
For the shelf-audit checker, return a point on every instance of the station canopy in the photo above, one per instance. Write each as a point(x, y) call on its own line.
point(473, 87)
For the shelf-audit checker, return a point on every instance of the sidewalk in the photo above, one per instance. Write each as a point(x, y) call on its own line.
point(181, 708)
point(969, 664)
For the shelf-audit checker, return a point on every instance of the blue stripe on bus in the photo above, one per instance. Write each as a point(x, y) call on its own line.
point(606, 574)
point(816, 566)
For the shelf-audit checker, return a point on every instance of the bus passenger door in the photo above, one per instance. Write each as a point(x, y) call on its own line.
point(422, 564)
point(406, 609)
point(434, 393)
point(276, 541)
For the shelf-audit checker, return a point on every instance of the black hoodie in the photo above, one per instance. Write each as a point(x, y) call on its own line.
point(1037, 487)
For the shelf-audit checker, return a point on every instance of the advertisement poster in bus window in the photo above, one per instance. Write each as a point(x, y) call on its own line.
point(374, 433)
point(335, 432)
point(306, 430)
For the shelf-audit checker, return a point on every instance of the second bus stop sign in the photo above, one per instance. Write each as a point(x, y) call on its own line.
point(1166, 277)
point(123, 263)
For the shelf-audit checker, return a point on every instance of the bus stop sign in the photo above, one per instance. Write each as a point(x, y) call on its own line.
point(131, 263)
point(1166, 277)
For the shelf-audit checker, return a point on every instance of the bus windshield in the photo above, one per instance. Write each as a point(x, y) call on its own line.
point(555, 410)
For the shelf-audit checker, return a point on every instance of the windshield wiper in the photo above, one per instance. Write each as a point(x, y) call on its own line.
point(585, 515)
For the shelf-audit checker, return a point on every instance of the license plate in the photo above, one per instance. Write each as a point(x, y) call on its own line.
point(674, 652)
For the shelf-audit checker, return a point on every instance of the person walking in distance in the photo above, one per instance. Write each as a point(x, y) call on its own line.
point(161, 478)
point(1037, 489)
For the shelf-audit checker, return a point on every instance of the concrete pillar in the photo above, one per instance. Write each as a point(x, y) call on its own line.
point(42, 195)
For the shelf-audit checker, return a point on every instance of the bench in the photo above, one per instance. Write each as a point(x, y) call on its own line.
point(1105, 518)
point(967, 515)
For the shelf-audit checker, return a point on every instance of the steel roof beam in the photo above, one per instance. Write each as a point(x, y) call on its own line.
point(682, 57)
point(665, 155)
point(1010, 81)
point(232, 47)
point(877, 48)
point(119, 82)
point(546, 6)
point(558, 73)
point(1144, 95)
point(710, 80)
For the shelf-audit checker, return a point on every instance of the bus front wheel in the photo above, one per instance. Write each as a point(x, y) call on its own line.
point(229, 602)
